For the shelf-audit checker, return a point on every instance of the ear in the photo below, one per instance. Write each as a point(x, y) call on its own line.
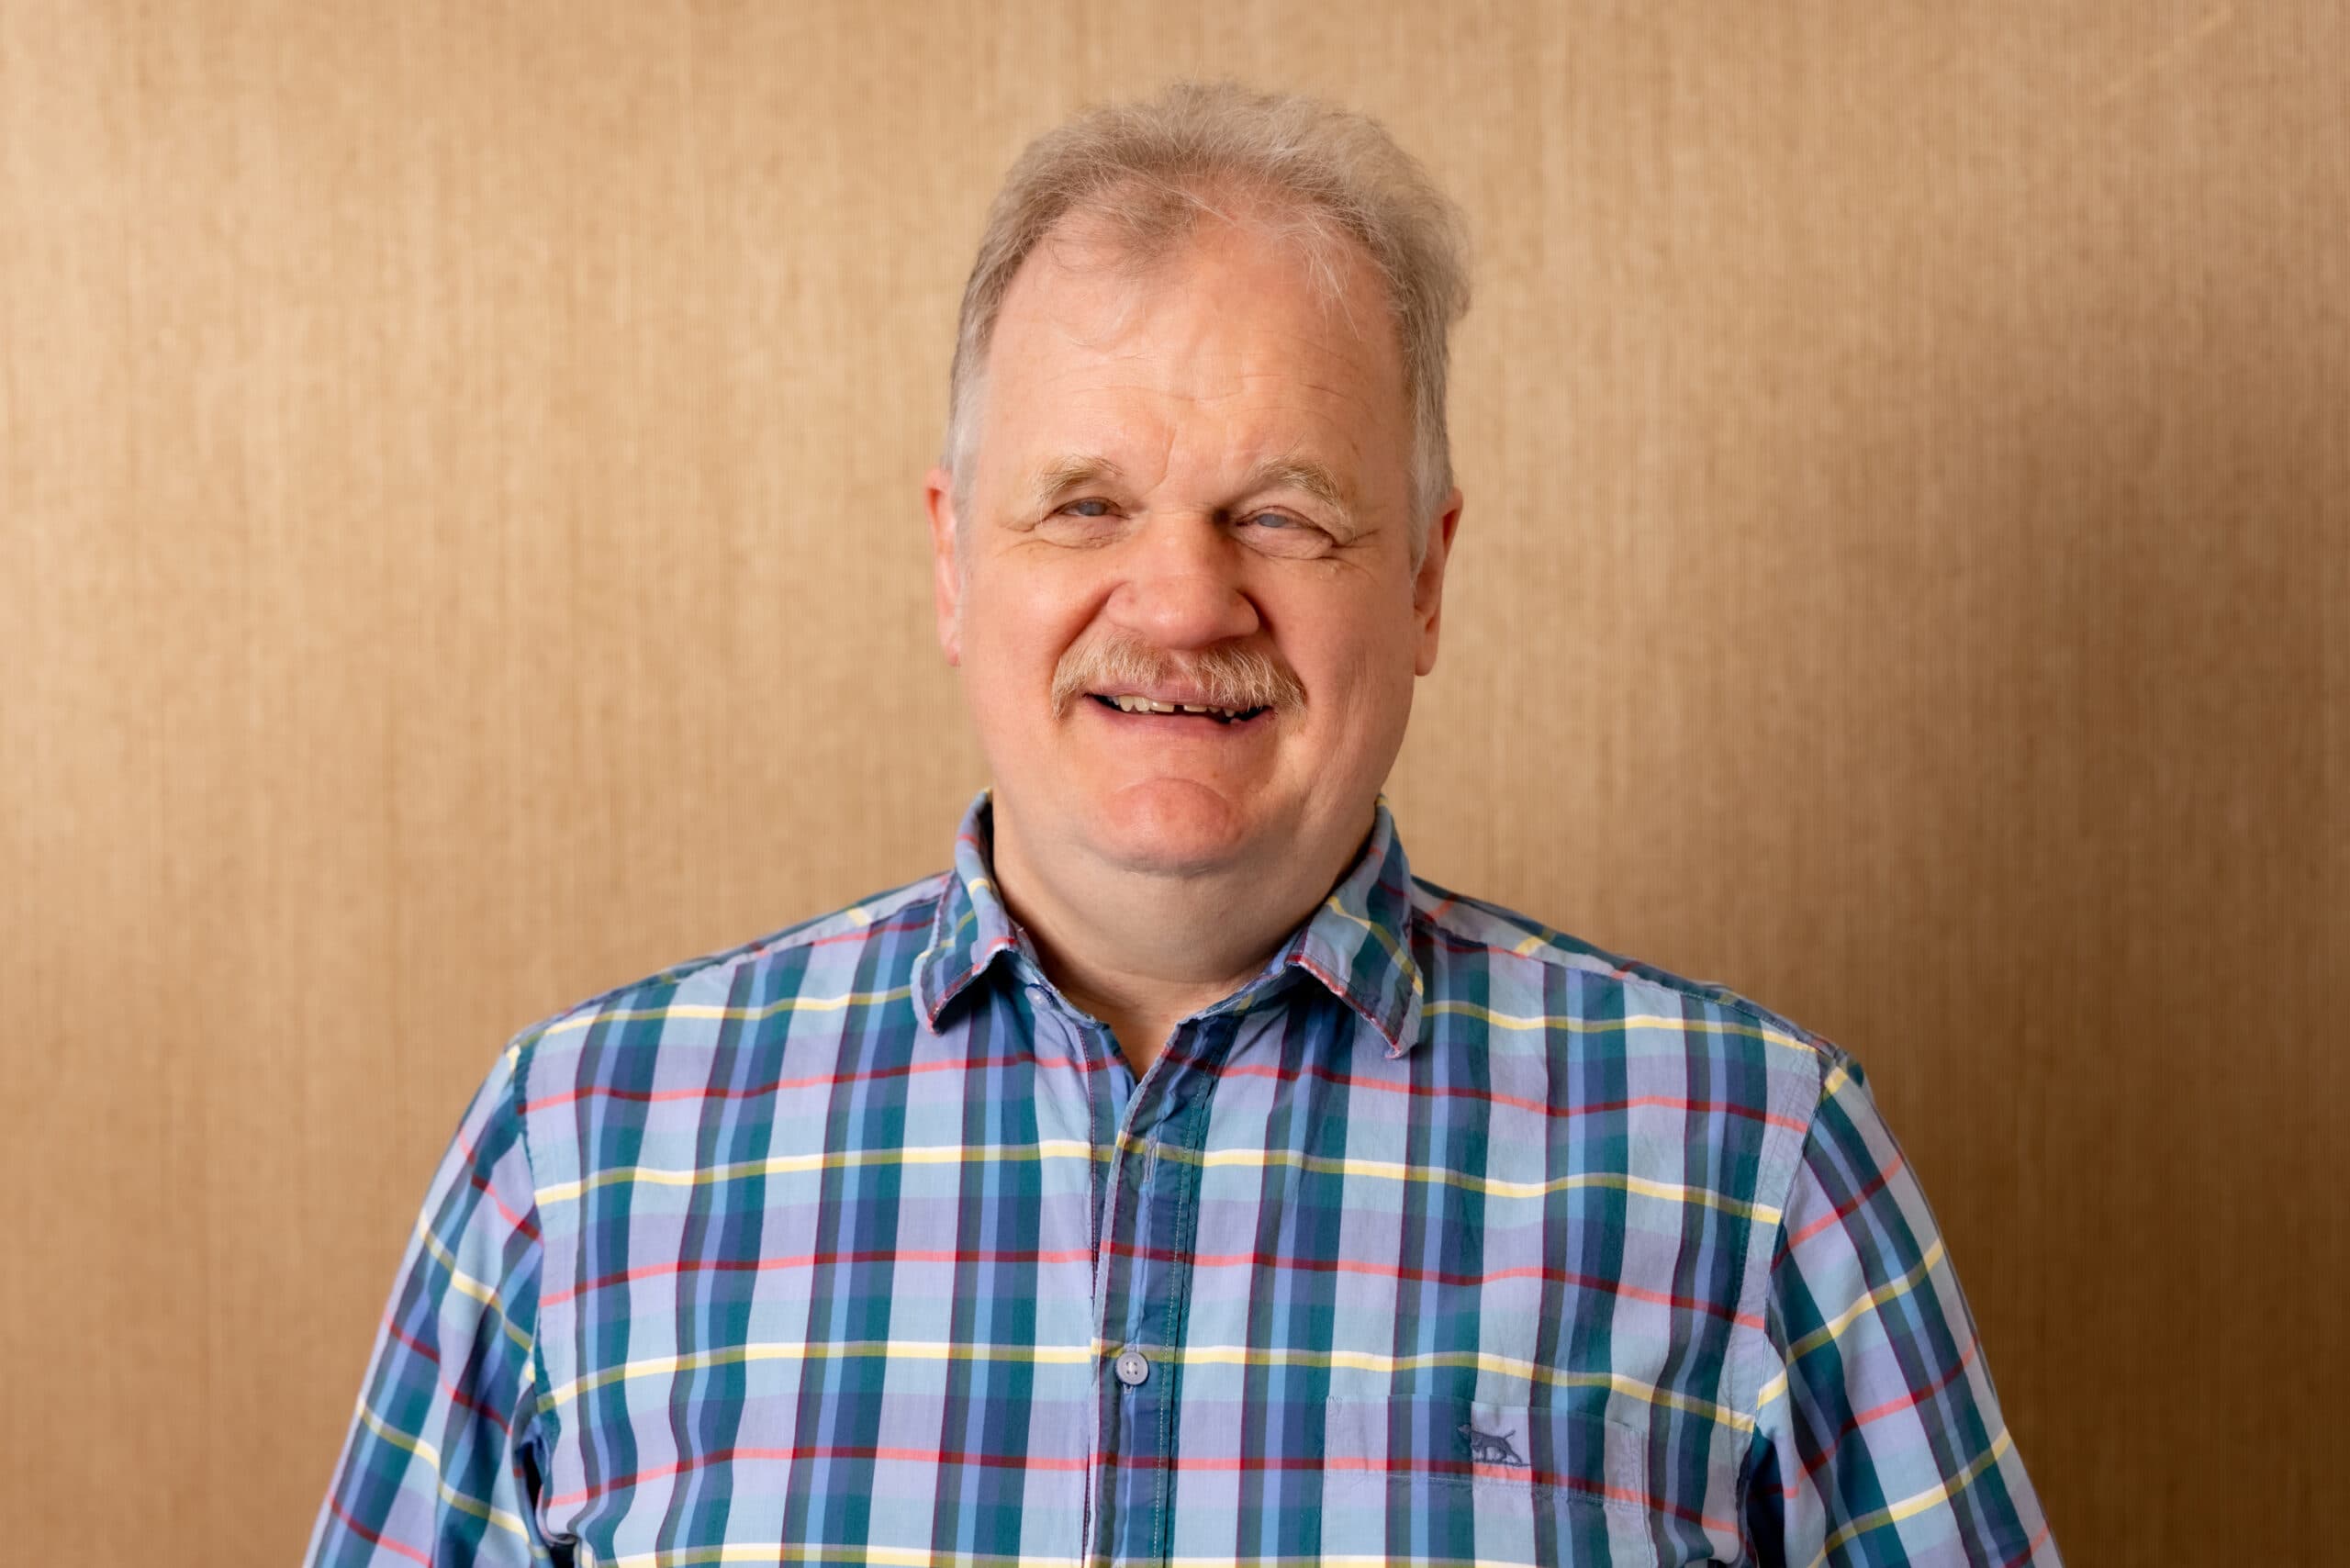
point(1427, 580)
point(945, 577)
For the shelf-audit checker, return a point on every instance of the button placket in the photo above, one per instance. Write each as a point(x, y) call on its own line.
point(1149, 1251)
point(1106, 1087)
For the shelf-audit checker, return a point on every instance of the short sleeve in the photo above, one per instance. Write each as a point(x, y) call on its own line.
point(442, 1461)
point(1878, 1439)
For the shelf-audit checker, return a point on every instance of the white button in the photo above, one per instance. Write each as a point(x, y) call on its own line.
point(1132, 1368)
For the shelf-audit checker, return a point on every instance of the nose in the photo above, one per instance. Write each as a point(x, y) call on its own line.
point(1179, 585)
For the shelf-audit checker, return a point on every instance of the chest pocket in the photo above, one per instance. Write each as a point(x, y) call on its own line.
point(1452, 1479)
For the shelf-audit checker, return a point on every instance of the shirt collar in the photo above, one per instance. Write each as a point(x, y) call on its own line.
point(1357, 943)
point(972, 927)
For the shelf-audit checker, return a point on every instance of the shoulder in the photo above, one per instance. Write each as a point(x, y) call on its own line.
point(863, 950)
point(1530, 973)
point(1701, 1102)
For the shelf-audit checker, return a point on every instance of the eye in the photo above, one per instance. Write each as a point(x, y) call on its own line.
point(1286, 533)
point(1091, 507)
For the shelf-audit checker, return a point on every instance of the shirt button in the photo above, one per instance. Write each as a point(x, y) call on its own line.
point(1132, 1367)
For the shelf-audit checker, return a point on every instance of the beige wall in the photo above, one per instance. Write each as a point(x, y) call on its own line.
point(459, 550)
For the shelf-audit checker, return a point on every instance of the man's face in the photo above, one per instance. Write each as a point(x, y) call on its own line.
point(1182, 478)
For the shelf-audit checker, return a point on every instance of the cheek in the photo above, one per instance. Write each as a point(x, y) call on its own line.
point(1017, 626)
point(1362, 655)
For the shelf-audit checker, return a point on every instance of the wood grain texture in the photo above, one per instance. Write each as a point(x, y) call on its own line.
point(458, 507)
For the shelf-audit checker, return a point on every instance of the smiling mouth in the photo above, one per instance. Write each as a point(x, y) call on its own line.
point(1143, 705)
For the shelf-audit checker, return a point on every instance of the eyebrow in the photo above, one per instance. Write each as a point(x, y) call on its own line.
point(1052, 480)
point(1301, 474)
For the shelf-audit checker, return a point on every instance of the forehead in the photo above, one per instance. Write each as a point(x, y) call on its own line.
point(1234, 345)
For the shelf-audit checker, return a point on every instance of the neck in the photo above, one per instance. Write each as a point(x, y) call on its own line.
point(1143, 950)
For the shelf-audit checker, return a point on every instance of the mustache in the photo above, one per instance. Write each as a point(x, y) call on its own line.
point(1227, 676)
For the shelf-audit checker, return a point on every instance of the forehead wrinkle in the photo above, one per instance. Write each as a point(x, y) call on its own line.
point(1127, 326)
point(1115, 321)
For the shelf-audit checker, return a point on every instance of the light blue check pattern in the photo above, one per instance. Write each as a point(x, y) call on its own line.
point(1447, 1240)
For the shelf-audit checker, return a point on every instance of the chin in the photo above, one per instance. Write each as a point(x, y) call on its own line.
point(1173, 828)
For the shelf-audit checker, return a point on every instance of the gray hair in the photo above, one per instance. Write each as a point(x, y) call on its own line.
point(1146, 171)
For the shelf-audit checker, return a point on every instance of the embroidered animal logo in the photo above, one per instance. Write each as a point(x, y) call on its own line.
point(1489, 1448)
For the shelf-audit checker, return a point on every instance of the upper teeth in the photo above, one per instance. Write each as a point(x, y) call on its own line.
point(1146, 705)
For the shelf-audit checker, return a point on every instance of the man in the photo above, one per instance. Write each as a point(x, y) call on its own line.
point(1176, 1178)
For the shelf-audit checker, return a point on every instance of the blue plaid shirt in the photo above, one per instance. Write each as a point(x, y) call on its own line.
point(1447, 1240)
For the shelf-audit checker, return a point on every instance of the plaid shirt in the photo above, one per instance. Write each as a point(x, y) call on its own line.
point(1447, 1240)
